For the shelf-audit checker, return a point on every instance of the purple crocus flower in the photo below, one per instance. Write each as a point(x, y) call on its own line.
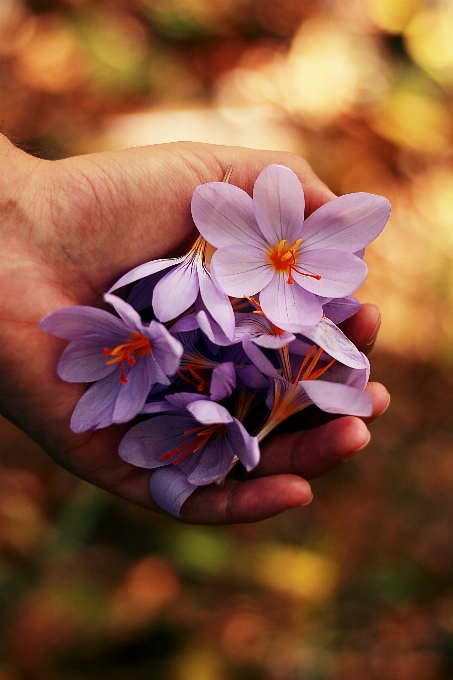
point(265, 246)
point(262, 332)
point(177, 290)
point(192, 447)
point(314, 378)
point(123, 357)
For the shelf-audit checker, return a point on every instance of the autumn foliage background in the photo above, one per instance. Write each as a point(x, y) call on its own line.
point(360, 583)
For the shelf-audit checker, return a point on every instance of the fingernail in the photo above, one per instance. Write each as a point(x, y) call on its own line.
point(309, 501)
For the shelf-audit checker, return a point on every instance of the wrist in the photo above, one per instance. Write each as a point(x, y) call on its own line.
point(17, 168)
point(19, 190)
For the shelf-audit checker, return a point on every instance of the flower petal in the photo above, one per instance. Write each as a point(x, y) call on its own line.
point(146, 443)
point(262, 331)
point(185, 324)
point(241, 271)
point(274, 341)
point(209, 413)
point(176, 291)
point(223, 381)
point(125, 311)
point(336, 398)
point(278, 199)
point(259, 359)
point(144, 270)
point(84, 361)
point(212, 462)
point(166, 350)
point(73, 323)
point(169, 488)
point(341, 273)
point(347, 223)
point(216, 302)
point(340, 309)
point(289, 306)
point(132, 395)
point(328, 336)
point(245, 447)
point(224, 215)
point(211, 329)
point(95, 408)
point(141, 295)
point(183, 399)
point(161, 406)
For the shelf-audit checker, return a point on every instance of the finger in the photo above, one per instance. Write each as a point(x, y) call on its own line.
point(248, 163)
point(312, 453)
point(363, 327)
point(249, 501)
point(381, 401)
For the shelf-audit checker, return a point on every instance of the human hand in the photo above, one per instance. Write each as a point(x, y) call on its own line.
point(70, 228)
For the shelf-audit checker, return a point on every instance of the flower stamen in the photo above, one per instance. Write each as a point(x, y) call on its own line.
point(283, 259)
point(203, 434)
point(138, 345)
point(196, 380)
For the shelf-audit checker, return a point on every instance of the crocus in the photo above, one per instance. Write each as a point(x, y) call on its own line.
point(265, 246)
point(312, 379)
point(123, 357)
point(193, 447)
point(178, 289)
point(325, 334)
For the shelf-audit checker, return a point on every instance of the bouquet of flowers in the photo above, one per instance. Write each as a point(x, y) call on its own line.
point(209, 354)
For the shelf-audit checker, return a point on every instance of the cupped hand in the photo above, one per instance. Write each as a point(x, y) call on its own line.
point(69, 230)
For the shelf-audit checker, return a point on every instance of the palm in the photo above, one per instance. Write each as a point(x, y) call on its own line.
point(92, 219)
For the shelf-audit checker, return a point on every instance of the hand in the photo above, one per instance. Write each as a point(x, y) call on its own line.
point(69, 230)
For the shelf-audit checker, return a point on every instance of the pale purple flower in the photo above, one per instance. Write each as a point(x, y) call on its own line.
point(176, 291)
point(123, 357)
point(313, 379)
point(265, 246)
point(193, 447)
point(262, 332)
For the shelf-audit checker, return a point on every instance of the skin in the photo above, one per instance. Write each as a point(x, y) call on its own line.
point(68, 230)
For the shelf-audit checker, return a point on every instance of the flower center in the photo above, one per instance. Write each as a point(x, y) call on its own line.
point(288, 398)
point(194, 379)
point(138, 345)
point(203, 435)
point(284, 260)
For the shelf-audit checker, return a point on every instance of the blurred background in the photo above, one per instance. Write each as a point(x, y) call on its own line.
point(359, 585)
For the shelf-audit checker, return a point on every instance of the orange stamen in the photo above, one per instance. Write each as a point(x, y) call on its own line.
point(305, 362)
point(283, 259)
point(321, 371)
point(138, 345)
point(309, 374)
point(198, 381)
point(254, 302)
point(203, 435)
point(312, 364)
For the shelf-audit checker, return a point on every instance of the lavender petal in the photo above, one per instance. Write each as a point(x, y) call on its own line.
point(169, 488)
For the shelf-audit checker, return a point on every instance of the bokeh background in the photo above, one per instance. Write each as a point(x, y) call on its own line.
point(359, 585)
